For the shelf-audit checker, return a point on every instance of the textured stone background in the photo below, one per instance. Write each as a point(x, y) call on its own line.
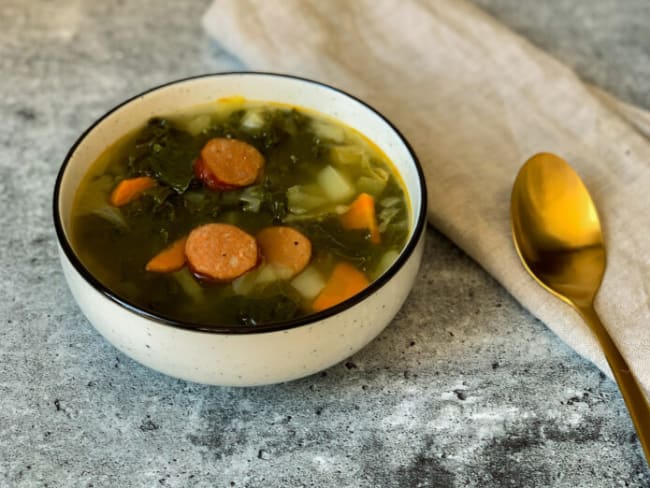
point(463, 389)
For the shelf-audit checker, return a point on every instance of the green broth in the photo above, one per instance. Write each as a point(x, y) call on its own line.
point(307, 156)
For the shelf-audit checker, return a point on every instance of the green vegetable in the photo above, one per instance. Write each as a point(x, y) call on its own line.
point(351, 245)
point(166, 153)
point(112, 215)
point(252, 311)
point(265, 197)
point(252, 198)
point(189, 285)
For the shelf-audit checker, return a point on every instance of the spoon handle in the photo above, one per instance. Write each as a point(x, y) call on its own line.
point(635, 399)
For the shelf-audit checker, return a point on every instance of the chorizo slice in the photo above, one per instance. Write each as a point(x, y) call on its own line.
point(220, 252)
point(285, 247)
point(225, 164)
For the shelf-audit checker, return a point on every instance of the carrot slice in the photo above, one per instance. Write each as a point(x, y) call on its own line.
point(220, 252)
point(129, 189)
point(172, 258)
point(361, 215)
point(285, 247)
point(228, 163)
point(344, 282)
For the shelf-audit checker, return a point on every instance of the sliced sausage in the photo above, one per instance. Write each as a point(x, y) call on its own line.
point(220, 252)
point(285, 247)
point(228, 163)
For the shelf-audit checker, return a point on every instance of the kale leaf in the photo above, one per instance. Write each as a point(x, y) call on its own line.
point(166, 153)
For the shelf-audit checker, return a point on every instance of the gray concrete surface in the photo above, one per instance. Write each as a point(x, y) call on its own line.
point(464, 388)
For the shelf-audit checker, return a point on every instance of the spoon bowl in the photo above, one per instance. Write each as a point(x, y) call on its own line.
point(558, 236)
point(557, 230)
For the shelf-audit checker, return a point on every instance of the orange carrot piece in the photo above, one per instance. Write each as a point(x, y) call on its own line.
point(344, 282)
point(170, 259)
point(361, 215)
point(129, 189)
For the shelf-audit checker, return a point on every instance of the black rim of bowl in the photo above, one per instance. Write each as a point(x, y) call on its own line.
point(241, 329)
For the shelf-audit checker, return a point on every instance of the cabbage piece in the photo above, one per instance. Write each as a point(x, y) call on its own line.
point(386, 215)
point(372, 186)
point(252, 198)
point(385, 262)
point(379, 174)
point(111, 214)
point(189, 284)
point(328, 132)
point(303, 198)
point(349, 155)
point(96, 203)
point(390, 201)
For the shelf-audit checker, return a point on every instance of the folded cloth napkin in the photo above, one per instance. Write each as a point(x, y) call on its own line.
point(476, 101)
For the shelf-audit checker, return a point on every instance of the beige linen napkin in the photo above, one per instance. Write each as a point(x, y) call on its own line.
point(476, 100)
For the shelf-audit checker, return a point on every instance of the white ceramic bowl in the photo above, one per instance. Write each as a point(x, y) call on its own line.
point(234, 355)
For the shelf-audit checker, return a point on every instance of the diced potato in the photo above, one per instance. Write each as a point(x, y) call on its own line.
point(266, 275)
point(254, 119)
point(245, 283)
point(259, 277)
point(280, 272)
point(309, 283)
point(199, 124)
point(334, 184)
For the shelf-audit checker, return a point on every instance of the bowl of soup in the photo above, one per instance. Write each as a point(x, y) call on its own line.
point(240, 228)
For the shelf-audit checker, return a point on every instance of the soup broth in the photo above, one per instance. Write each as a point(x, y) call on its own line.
point(157, 208)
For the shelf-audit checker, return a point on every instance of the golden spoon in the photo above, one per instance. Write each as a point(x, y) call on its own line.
point(558, 237)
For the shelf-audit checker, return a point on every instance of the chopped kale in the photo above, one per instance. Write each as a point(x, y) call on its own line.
point(166, 153)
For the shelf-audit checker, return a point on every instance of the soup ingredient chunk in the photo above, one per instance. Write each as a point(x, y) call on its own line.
point(309, 283)
point(220, 252)
point(334, 184)
point(170, 259)
point(344, 282)
point(129, 189)
point(285, 248)
point(361, 215)
point(226, 164)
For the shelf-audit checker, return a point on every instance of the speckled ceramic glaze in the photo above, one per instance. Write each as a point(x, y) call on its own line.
point(234, 355)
